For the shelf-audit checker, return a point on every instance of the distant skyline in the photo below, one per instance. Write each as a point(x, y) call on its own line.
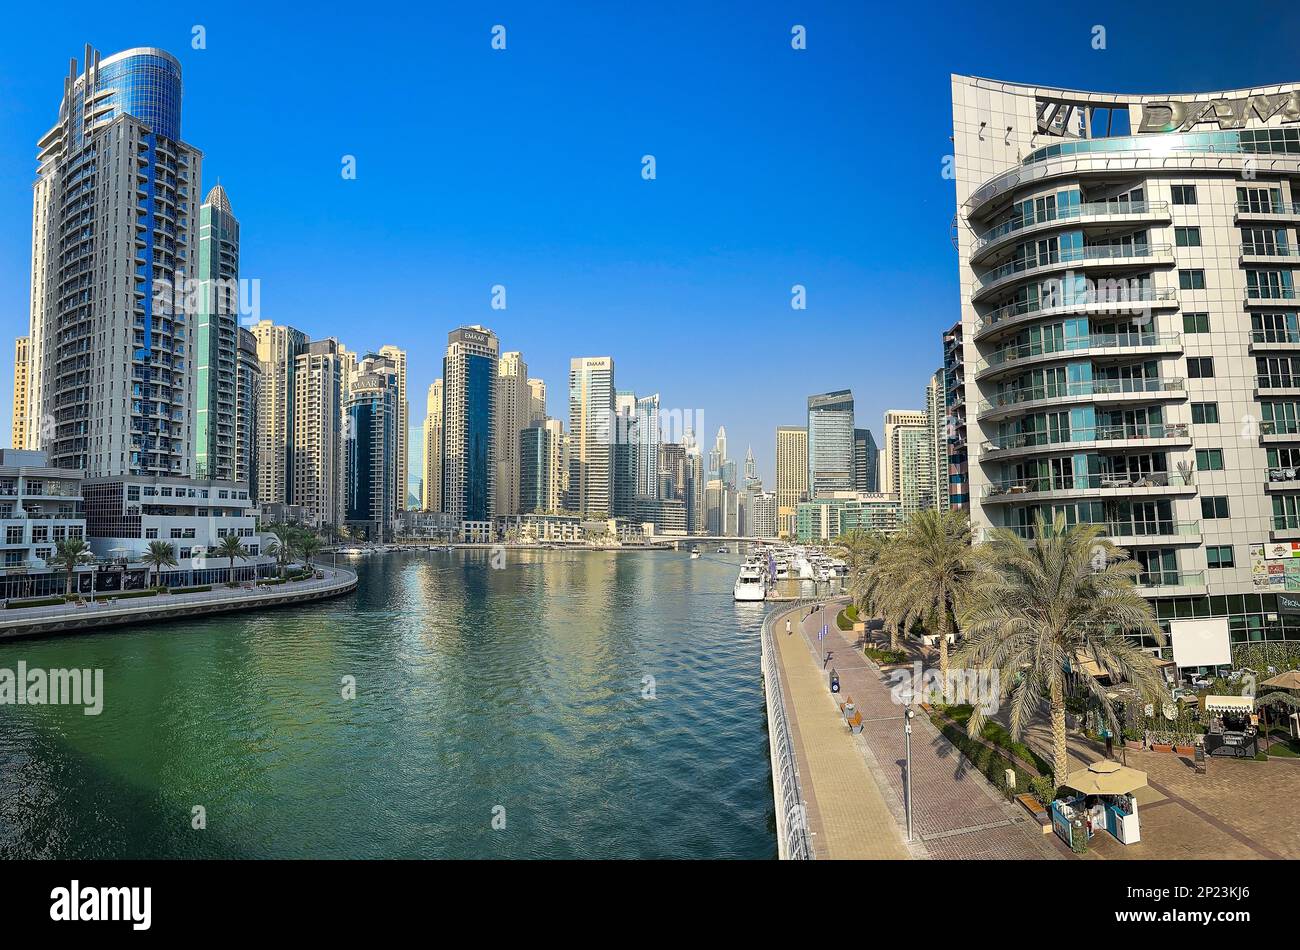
point(775, 167)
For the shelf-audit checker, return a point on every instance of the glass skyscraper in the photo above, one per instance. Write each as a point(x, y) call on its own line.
point(830, 442)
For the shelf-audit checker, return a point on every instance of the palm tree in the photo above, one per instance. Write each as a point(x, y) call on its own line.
point(308, 546)
point(160, 554)
point(925, 574)
point(230, 547)
point(858, 550)
point(68, 553)
point(1038, 612)
point(282, 548)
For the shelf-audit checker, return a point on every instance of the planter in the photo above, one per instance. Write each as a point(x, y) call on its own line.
point(1185, 749)
point(1161, 747)
point(860, 627)
point(1134, 744)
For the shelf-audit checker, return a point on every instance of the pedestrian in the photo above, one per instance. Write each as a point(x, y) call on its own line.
point(788, 630)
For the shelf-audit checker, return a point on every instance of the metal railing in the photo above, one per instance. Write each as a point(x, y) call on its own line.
point(1089, 254)
point(1119, 295)
point(1065, 347)
point(1086, 387)
point(1104, 433)
point(791, 819)
point(1065, 483)
point(1071, 213)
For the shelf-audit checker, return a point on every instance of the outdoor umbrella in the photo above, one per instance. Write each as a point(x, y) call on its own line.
point(1106, 778)
point(1288, 680)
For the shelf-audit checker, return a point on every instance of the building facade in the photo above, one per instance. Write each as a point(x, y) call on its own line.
point(277, 353)
point(215, 346)
point(432, 456)
point(866, 461)
point(830, 443)
point(22, 371)
point(319, 428)
point(1129, 315)
point(791, 475)
point(514, 407)
point(592, 433)
point(936, 420)
point(954, 378)
point(469, 380)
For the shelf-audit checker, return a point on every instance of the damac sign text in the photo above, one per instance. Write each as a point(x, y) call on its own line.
point(1172, 115)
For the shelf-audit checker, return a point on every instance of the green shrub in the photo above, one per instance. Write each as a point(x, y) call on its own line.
point(1043, 787)
point(992, 765)
point(885, 657)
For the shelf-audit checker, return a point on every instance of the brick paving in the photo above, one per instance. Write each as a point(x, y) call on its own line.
point(847, 814)
point(957, 813)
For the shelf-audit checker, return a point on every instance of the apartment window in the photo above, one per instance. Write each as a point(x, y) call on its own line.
point(1209, 460)
point(150, 534)
point(1200, 367)
point(1214, 507)
point(1205, 413)
point(1219, 555)
point(1191, 279)
point(1187, 237)
point(14, 534)
point(1184, 194)
point(1196, 323)
point(1276, 372)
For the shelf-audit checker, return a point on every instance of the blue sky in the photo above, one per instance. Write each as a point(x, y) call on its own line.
point(478, 167)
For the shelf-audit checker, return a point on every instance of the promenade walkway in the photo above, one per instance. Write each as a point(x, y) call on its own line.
point(107, 611)
point(957, 813)
point(846, 812)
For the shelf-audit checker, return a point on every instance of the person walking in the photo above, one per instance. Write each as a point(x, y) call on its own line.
point(788, 631)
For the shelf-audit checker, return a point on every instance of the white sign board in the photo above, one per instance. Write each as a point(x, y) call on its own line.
point(1201, 642)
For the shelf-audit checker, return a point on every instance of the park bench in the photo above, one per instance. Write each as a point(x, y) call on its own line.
point(855, 722)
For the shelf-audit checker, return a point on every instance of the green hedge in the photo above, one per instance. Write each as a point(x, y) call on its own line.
point(886, 657)
point(997, 733)
point(992, 764)
point(40, 602)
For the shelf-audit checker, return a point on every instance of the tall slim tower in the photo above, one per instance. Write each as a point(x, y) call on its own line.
point(469, 378)
point(866, 461)
point(536, 402)
point(318, 432)
point(248, 385)
point(432, 468)
point(114, 227)
point(936, 418)
point(592, 431)
point(216, 337)
point(22, 373)
point(372, 450)
point(830, 442)
point(791, 475)
point(277, 353)
point(647, 442)
point(893, 460)
point(514, 405)
point(398, 356)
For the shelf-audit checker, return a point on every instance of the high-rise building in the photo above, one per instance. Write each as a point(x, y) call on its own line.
point(277, 353)
point(402, 469)
point(1128, 301)
point(936, 418)
point(22, 370)
point(830, 442)
point(536, 402)
point(215, 347)
point(696, 512)
point(248, 383)
point(469, 379)
point(751, 467)
point(895, 421)
point(791, 475)
point(114, 227)
point(514, 406)
point(647, 446)
point(319, 431)
point(592, 432)
point(624, 478)
point(954, 379)
point(762, 515)
point(536, 450)
point(866, 461)
point(432, 457)
point(908, 458)
point(672, 470)
point(372, 447)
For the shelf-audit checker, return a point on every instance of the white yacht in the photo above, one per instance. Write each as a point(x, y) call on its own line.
point(751, 584)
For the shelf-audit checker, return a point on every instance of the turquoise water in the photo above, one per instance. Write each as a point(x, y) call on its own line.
point(515, 693)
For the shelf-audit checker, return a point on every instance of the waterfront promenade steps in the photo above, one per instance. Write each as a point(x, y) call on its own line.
point(71, 618)
point(842, 806)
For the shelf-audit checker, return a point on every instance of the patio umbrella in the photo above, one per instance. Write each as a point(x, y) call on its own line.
point(1288, 680)
point(1106, 778)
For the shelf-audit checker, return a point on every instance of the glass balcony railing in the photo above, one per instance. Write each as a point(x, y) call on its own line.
point(1120, 295)
point(1087, 210)
point(1106, 433)
point(1012, 354)
point(1067, 483)
point(1270, 293)
point(1087, 387)
point(1284, 474)
point(1268, 207)
point(1283, 335)
point(1104, 253)
point(1268, 250)
point(1171, 579)
point(1160, 528)
point(1286, 522)
point(1280, 427)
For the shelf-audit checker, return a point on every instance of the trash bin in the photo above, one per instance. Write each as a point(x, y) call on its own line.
point(835, 681)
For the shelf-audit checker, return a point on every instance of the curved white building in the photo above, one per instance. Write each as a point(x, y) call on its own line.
point(1130, 335)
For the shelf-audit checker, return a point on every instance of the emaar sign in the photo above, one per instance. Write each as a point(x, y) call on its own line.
point(1173, 115)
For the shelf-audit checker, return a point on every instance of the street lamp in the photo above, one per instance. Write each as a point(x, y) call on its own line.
point(907, 740)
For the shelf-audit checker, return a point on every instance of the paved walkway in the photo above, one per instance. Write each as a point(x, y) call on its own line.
point(847, 814)
point(957, 814)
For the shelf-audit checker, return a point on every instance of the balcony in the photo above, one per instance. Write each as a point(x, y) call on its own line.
point(1105, 390)
point(1285, 528)
point(1281, 254)
point(1281, 339)
point(1266, 296)
point(1282, 430)
point(1171, 583)
point(1096, 344)
point(1268, 212)
point(1090, 212)
point(1282, 479)
point(1085, 257)
point(1147, 436)
point(1103, 484)
point(1106, 299)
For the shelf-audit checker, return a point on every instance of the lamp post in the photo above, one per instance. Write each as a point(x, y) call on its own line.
point(907, 740)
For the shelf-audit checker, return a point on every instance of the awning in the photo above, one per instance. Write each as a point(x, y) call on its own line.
point(1106, 778)
point(1288, 680)
point(1238, 704)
